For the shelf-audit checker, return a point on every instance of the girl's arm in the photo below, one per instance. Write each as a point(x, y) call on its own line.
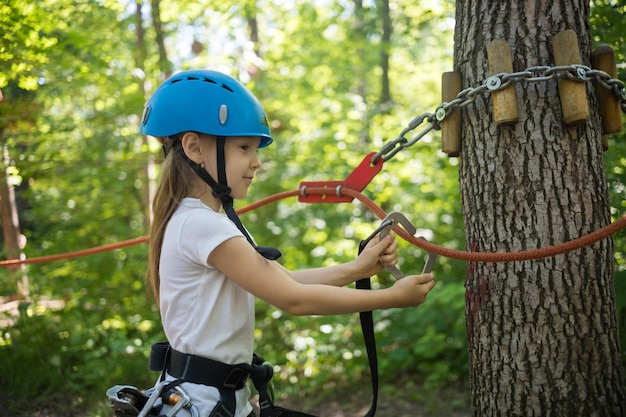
point(375, 255)
point(269, 282)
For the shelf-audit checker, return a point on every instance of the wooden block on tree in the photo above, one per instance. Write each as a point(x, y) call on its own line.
point(603, 59)
point(451, 85)
point(504, 101)
point(572, 94)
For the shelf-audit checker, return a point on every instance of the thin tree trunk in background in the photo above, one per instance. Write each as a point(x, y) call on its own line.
point(17, 277)
point(542, 334)
point(253, 25)
point(254, 70)
point(385, 95)
point(360, 88)
point(149, 171)
point(164, 63)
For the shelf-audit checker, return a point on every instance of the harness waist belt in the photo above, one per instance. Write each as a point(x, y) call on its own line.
point(200, 370)
point(207, 371)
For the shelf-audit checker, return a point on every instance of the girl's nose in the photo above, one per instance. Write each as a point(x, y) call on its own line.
point(256, 162)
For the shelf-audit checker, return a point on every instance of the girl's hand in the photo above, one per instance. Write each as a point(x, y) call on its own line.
point(377, 253)
point(413, 289)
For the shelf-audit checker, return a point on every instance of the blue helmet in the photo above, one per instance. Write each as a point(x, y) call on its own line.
point(204, 101)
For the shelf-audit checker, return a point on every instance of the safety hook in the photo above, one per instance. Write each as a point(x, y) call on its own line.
point(392, 220)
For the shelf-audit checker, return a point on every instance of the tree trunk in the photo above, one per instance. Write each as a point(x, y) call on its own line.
point(255, 71)
point(11, 229)
point(164, 63)
point(149, 171)
point(542, 334)
point(359, 34)
point(387, 28)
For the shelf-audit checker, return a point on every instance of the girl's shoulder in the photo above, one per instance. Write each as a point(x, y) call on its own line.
point(195, 208)
point(194, 214)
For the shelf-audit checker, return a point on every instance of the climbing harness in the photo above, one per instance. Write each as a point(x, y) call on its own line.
point(128, 401)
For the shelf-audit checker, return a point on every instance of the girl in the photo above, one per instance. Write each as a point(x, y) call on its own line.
point(204, 267)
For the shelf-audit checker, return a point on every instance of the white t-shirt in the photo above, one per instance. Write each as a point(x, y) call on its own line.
point(204, 313)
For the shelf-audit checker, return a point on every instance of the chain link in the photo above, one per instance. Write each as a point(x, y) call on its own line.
point(491, 85)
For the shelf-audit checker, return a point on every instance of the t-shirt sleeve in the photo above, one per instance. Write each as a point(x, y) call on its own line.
point(202, 233)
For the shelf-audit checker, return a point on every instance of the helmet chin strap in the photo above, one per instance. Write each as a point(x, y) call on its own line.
point(222, 191)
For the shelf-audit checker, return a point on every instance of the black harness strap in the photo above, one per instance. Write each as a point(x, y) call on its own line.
point(367, 327)
point(207, 371)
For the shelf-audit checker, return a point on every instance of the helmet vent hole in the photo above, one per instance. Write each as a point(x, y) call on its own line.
point(224, 86)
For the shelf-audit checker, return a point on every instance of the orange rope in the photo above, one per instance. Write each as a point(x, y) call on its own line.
point(76, 254)
point(561, 248)
point(578, 243)
point(270, 199)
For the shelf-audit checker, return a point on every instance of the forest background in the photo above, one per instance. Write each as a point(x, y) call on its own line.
point(338, 79)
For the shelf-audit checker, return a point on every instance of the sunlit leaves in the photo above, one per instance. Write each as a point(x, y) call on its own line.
point(23, 43)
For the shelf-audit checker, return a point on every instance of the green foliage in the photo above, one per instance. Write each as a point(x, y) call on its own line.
point(63, 358)
point(24, 43)
point(430, 342)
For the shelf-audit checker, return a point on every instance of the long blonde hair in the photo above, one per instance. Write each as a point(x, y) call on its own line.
point(177, 182)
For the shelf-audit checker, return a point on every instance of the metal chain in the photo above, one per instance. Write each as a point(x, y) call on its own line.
point(491, 85)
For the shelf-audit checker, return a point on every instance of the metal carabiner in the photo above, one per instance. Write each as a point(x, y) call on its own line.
point(155, 396)
point(392, 220)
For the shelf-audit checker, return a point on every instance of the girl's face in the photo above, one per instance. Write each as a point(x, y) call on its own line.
point(241, 162)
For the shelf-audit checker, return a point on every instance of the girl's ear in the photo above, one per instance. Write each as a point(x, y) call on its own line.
point(191, 146)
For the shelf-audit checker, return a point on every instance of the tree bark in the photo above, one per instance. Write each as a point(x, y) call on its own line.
point(542, 334)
